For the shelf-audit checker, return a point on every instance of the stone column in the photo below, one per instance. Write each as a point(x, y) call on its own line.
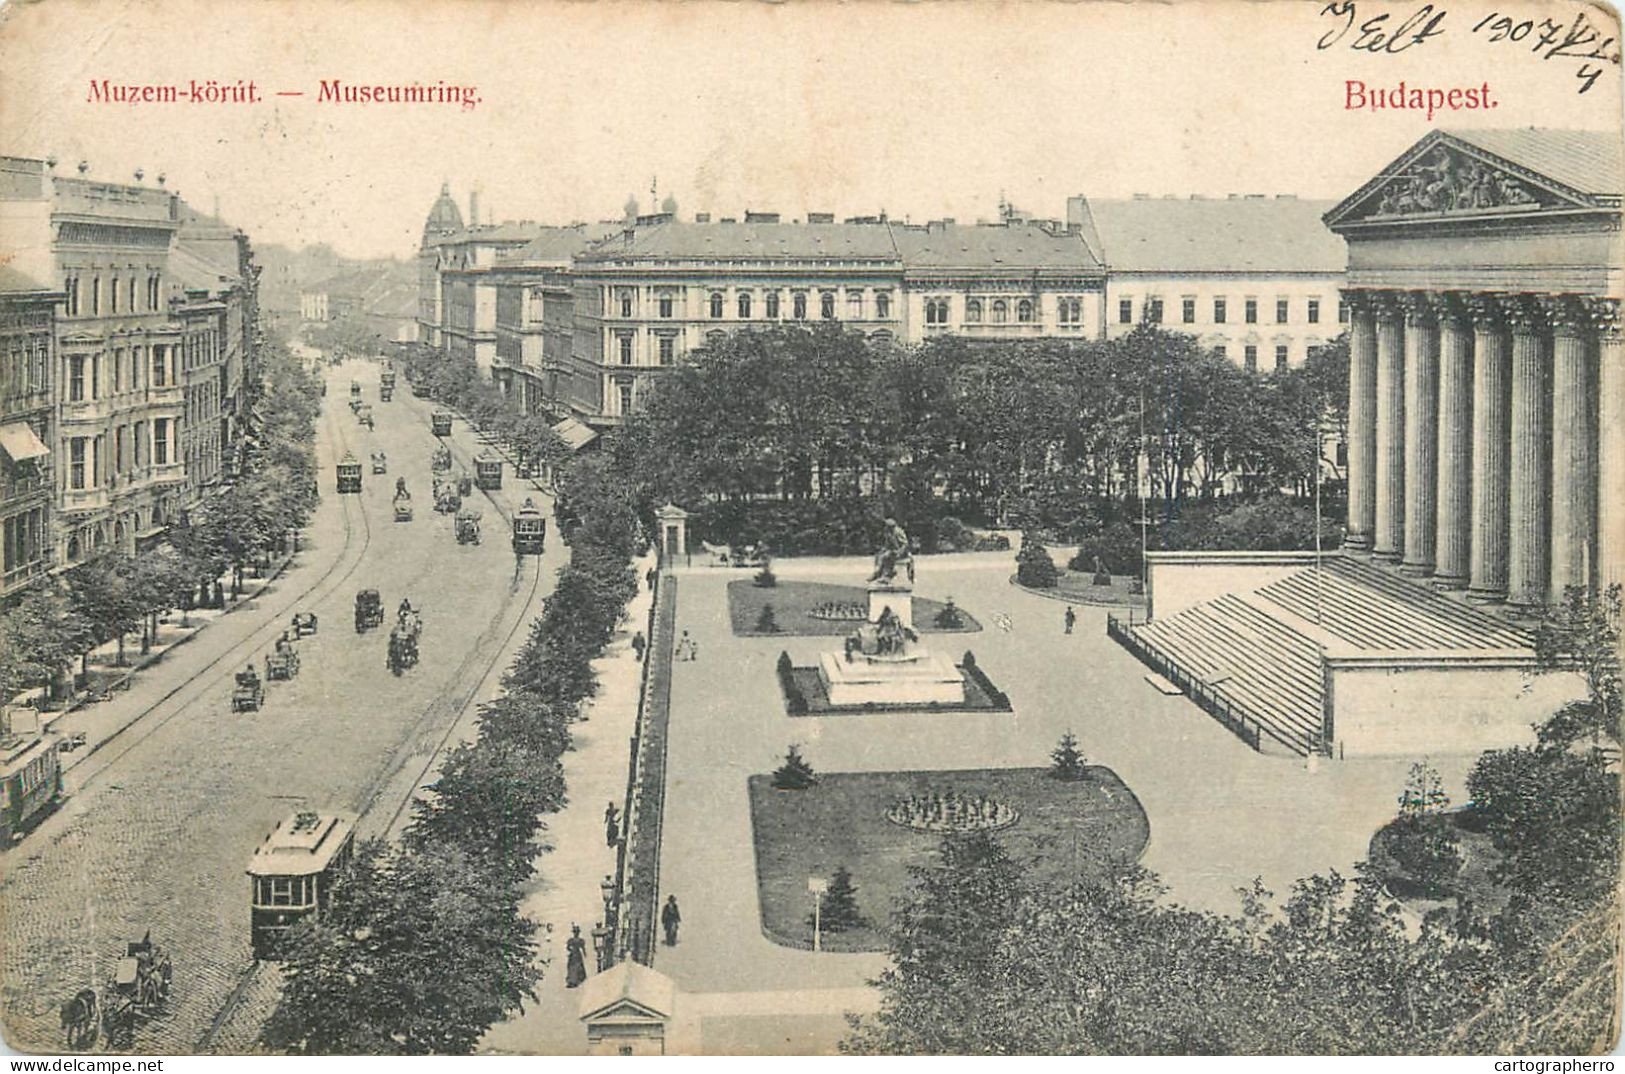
point(1421, 432)
point(1389, 534)
point(1608, 566)
point(1455, 451)
point(1528, 537)
point(1574, 464)
point(1362, 421)
point(1491, 440)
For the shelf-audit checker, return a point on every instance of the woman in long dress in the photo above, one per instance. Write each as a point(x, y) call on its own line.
point(575, 970)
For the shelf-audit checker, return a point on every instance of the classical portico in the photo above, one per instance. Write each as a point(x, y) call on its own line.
point(1485, 375)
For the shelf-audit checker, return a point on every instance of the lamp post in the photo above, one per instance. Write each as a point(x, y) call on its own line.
point(817, 885)
point(606, 887)
point(600, 945)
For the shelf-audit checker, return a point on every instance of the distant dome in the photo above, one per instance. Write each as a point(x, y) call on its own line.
point(444, 217)
point(630, 208)
point(669, 205)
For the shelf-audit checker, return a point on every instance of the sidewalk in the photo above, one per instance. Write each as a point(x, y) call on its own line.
point(102, 709)
point(565, 890)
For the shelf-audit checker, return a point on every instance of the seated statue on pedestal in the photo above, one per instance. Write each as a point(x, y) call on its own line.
point(886, 636)
point(894, 552)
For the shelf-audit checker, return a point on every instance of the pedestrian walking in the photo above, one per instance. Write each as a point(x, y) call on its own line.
point(639, 643)
point(650, 577)
point(685, 647)
point(575, 970)
point(1071, 618)
point(670, 918)
point(612, 825)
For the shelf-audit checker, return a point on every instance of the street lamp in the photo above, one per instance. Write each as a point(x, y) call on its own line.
point(600, 945)
point(817, 885)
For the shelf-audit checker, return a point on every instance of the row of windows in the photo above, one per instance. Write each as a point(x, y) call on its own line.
point(1249, 356)
point(745, 305)
point(1221, 311)
point(24, 370)
point(1069, 310)
point(88, 299)
point(130, 448)
point(83, 372)
point(22, 545)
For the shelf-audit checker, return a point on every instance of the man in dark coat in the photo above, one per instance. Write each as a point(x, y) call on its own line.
point(612, 825)
point(670, 918)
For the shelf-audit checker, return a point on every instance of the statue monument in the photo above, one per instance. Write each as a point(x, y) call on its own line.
point(883, 661)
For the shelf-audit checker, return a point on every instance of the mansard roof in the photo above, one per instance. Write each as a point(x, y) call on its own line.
point(1014, 247)
point(14, 282)
point(1252, 234)
point(673, 240)
point(559, 244)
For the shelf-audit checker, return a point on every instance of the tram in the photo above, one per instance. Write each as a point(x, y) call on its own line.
point(30, 781)
point(440, 423)
point(529, 530)
point(349, 473)
point(488, 472)
point(291, 874)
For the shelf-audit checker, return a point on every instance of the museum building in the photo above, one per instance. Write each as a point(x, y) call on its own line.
point(1485, 416)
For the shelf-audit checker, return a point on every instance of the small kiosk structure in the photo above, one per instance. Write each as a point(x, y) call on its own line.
point(628, 1010)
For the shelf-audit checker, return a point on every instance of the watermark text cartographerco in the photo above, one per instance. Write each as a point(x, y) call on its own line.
point(1357, 96)
point(247, 91)
point(1553, 1066)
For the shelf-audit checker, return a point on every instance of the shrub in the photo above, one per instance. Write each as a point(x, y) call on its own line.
point(1000, 699)
point(954, 536)
point(765, 578)
point(950, 618)
point(992, 542)
point(838, 909)
point(1425, 850)
point(767, 622)
point(1068, 763)
point(795, 774)
point(1034, 567)
point(795, 702)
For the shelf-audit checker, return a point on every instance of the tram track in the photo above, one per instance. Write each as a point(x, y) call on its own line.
point(207, 678)
point(476, 666)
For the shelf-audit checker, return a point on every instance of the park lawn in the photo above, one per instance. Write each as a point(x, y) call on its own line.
point(1078, 587)
point(811, 683)
point(793, 602)
point(1066, 830)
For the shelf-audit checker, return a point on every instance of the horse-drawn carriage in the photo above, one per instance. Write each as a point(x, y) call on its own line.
point(465, 486)
point(468, 526)
point(138, 988)
point(403, 639)
point(248, 692)
point(440, 423)
point(488, 472)
point(440, 461)
point(529, 530)
point(282, 663)
point(386, 379)
point(355, 389)
point(446, 500)
point(304, 624)
point(386, 392)
point(349, 473)
point(369, 610)
point(403, 502)
point(356, 404)
point(380, 463)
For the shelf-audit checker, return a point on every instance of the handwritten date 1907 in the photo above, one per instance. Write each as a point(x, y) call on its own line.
point(1378, 34)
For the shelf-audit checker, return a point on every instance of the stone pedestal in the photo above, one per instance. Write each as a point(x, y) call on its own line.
point(899, 598)
point(915, 678)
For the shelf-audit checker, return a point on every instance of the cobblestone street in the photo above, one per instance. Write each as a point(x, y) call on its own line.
point(160, 820)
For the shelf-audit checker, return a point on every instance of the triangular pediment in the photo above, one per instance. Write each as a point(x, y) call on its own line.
point(624, 1010)
point(1443, 177)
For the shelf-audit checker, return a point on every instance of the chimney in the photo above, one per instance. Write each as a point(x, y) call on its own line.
point(820, 218)
point(760, 218)
point(702, 218)
point(474, 207)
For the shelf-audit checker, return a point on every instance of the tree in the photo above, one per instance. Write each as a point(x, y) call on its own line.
point(795, 774)
point(1583, 633)
point(1067, 763)
point(838, 906)
point(1422, 841)
point(1034, 567)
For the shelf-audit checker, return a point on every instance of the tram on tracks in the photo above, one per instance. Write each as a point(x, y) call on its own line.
point(440, 423)
point(30, 781)
point(349, 474)
point(529, 530)
point(291, 874)
point(488, 472)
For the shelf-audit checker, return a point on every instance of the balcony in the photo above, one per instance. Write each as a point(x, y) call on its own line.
point(168, 473)
point(166, 395)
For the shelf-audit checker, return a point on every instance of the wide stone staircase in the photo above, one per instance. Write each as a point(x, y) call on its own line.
point(1249, 670)
point(1255, 660)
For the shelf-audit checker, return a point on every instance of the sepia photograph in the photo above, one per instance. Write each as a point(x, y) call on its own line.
point(810, 528)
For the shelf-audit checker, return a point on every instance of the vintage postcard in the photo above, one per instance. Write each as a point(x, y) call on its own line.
point(795, 528)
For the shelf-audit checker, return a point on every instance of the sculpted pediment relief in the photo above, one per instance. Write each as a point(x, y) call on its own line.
point(1445, 179)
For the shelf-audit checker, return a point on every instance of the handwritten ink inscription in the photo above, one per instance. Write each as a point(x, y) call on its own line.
point(1390, 33)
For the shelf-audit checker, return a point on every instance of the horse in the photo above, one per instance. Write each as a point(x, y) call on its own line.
point(79, 1019)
